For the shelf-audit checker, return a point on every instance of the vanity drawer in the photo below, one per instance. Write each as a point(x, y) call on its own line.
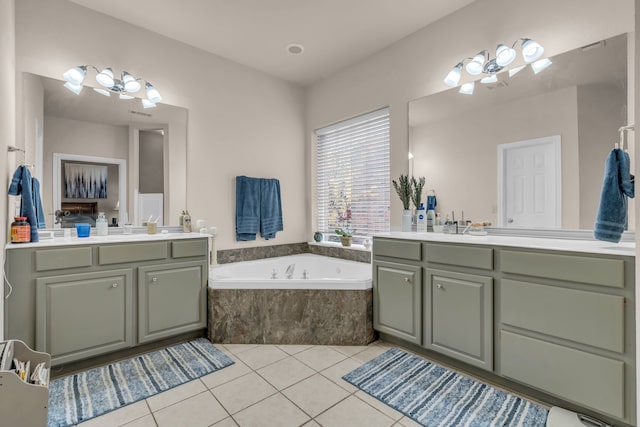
point(461, 255)
point(398, 249)
point(584, 378)
point(114, 254)
point(58, 259)
point(189, 248)
point(582, 269)
point(584, 317)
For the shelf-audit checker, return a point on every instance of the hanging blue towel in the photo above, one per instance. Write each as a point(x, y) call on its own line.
point(37, 202)
point(247, 208)
point(22, 185)
point(270, 208)
point(618, 184)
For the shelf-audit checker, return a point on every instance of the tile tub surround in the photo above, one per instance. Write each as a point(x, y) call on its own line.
point(291, 316)
point(226, 256)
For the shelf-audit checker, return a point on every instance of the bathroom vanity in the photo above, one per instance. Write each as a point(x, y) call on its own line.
point(554, 316)
point(80, 298)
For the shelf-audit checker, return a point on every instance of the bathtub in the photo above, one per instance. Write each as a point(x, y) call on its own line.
point(309, 272)
point(333, 305)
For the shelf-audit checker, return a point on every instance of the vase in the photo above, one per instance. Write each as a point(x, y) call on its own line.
point(317, 236)
point(346, 241)
point(406, 220)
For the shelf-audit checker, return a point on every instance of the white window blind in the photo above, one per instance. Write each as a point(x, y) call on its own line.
point(352, 172)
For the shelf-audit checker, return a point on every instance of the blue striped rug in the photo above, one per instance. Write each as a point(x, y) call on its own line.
point(435, 396)
point(85, 395)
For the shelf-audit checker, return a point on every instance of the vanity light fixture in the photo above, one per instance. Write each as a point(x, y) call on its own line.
point(125, 86)
point(482, 63)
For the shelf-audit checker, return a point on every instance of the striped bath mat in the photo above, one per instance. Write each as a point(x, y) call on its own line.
point(85, 395)
point(435, 396)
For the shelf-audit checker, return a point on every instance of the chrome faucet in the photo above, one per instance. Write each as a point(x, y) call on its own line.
point(290, 270)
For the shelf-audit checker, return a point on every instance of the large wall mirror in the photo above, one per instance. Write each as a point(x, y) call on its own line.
point(564, 120)
point(138, 155)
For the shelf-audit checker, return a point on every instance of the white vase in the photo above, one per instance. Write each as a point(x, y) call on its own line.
point(406, 220)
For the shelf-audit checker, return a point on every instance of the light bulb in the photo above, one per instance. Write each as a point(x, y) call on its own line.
point(74, 88)
point(102, 91)
point(504, 55)
point(453, 78)
point(75, 75)
point(490, 79)
point(148, 104)
point(467, 88)
point(125, 96)
point(105, 78)
point(531, 50)
point(540, 65)
point(475, 66)
point(516, 70)
point(152, 93)
point(130, 83)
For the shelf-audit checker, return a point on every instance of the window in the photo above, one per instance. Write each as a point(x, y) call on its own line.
point(352, 174)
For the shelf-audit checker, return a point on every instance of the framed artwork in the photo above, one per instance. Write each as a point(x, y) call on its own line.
point(83, 181)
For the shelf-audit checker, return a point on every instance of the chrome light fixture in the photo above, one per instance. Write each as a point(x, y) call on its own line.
point(482, 63)
point(125, 86)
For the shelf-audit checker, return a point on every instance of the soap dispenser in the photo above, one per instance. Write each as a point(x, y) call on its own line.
point(102, 228)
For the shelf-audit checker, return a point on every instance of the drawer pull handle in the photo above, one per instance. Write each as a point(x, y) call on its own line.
point(406, 279)
point(115, 285)
point(154, 279)
point(439, 286)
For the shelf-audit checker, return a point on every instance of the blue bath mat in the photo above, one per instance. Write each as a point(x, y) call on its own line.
point(435, 396)
point(85, 395)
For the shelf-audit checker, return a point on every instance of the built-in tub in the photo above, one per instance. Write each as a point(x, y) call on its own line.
point(332, 305)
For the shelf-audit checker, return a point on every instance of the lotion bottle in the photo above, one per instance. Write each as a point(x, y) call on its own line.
point(421, 216)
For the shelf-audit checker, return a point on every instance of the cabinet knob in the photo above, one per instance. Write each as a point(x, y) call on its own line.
point(115, 285)
point(439, 286)
point(406, 279)
point(154, 279)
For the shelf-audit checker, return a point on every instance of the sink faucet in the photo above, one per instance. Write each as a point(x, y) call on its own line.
point(289, 271)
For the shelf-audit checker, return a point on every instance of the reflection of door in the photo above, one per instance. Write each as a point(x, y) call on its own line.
point(529, 183)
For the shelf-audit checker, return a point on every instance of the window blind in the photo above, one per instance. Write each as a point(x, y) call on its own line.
point(352, 172)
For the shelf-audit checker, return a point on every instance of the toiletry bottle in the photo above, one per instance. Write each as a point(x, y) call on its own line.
point(182, 218)
point(438, 219)
point(102, 228)
point(431, 215)
point(447, 225)
point(186, 222)
point(421, 217)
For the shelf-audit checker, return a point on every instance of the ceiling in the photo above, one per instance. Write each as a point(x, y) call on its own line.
point(334, 33)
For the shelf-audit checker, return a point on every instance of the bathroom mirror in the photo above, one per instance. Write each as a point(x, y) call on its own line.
point(462, 143)
point(141, 154)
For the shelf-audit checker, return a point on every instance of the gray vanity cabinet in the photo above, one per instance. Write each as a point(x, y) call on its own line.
point(458, 316)
point(83, 315)
point(171, 299)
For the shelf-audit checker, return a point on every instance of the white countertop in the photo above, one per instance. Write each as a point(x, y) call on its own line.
point(100, 240)
point(588, 246)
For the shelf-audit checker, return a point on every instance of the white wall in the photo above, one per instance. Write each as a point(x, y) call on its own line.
point(241, 121)
point(415, 66)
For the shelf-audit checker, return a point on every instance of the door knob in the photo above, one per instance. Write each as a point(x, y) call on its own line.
point(439, 286)
point(115, 285)
point(154, 279)
point(406, 279)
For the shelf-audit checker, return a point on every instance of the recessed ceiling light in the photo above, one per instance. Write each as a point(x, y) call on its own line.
point(295, 49)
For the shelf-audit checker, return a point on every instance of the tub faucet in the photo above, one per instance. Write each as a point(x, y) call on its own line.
point(290, 270)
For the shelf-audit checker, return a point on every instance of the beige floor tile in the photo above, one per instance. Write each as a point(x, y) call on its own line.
point(227, 374)
point(146, 421)
point(353, 412)
point(315, 395)
point(285, 372)
point(227, 422)
point(261, 356)
point(275, 411)
point(243, 392)
point(408, 422)
point(385, 409)
point(176, 394)
point(320, 357)
point(120, 416)
point(199, 410)
point(239, 348)
point(349, 350)
point(337, 371)
point(294, 349)
point(369, 353)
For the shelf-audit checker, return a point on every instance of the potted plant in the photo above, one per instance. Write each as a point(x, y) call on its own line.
point(403, 188)
point(416, 194)
point(344, 230)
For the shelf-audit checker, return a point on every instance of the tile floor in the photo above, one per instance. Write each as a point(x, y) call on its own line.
point(268, 385)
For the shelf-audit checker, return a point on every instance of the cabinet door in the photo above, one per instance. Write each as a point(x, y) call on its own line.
point(458, 316)
point(397, 300)
point(172, 299)
point(83, 315)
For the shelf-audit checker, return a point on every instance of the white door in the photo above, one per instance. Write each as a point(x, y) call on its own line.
point(529, 183)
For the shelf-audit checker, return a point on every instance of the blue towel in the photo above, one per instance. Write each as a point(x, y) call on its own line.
point(247, 208)
point(37, 202)
point(618, 184)
point(22, 184)
point(270, 208)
